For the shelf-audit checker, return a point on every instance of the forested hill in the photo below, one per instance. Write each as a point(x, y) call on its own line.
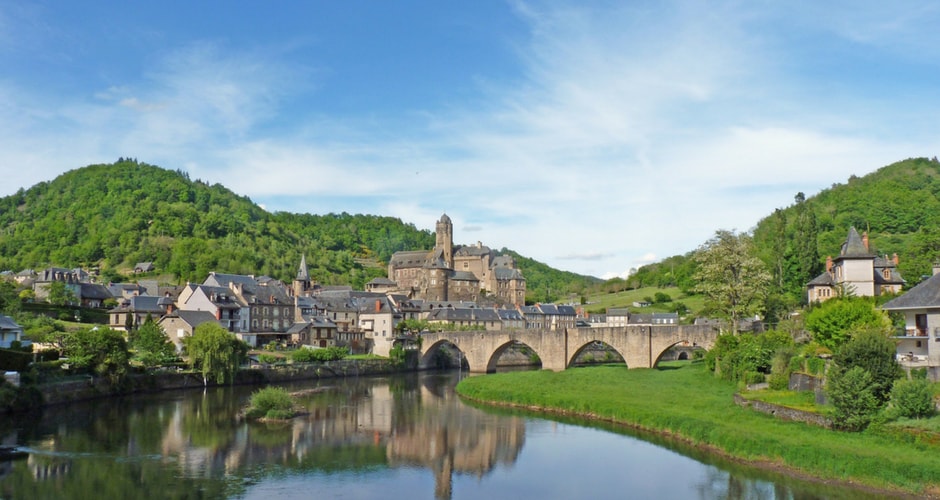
point(112, 216)
point(898, 205)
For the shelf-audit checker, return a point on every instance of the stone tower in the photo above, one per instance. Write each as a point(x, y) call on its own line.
point(302, 283)
point(444, 230)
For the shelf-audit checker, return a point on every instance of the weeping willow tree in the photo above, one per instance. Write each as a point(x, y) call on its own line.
point(215, 352)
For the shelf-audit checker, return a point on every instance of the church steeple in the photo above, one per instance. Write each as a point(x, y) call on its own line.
point(302, 274)
point(302, 283)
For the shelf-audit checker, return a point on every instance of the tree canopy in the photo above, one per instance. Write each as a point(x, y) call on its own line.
point(215, 352)
point(111, 216)
point(730, 276)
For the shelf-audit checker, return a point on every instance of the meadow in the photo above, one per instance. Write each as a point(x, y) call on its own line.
point(682, 400)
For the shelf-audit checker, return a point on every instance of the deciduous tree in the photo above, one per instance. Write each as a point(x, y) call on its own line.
point(730, 276)
point(215, 352)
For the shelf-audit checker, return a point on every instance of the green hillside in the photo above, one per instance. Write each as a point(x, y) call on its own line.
point(112, 216)
point(898, 205)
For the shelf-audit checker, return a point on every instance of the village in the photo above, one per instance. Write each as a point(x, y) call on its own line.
point(450, 286)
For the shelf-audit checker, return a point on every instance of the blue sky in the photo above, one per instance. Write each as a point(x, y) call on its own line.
point(592, 136)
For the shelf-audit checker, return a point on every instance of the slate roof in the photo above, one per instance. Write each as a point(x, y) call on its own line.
point(824, 279)
point(923, 296)
point(7, 323)
point(302, 273)
point(509, 315)
point(854, 247)
point(193, 318)
point(93, 291)
point(463, 314)
point(505, 273)
point(141, 304)
point(472, 250)
point(464, 276)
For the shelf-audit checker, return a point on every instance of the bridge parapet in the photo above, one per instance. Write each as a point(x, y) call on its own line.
point(641, 346)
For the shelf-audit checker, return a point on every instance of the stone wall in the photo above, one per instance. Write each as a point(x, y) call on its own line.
point(784, 413)
point(91, 388)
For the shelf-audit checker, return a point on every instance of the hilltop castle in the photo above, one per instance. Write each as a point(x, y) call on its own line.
point(453, 273)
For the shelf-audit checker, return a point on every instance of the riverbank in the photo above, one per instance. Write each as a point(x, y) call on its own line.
point(688, 404)
point(88, 387)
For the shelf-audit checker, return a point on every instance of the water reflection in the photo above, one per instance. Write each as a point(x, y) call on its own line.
point(197, 438)
point(397, 437)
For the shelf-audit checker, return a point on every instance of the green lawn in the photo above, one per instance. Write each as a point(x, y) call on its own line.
point(600, 302)
point(689, 402)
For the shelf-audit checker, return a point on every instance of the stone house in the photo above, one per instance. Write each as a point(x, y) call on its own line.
point(377, 320)
point(181, 324)
point(549, 317)
point(225, 306)
point(483, 319)
point(137, 308)
point(856, 271)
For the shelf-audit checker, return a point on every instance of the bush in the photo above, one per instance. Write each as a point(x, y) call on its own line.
point(919, 374)
point(268, 359)
point(853, 397)
point(816, 365)
point(271, 402)
point(306, 355)
point(912, 399)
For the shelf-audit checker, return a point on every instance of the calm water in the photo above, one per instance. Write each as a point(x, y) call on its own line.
point(389, 438)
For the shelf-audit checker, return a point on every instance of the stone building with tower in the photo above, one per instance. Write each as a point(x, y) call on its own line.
point(457, 272)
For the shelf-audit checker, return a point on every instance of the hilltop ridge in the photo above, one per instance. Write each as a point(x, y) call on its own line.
point(111, 216)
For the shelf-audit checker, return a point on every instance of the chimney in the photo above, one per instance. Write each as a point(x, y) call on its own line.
point(829, 264)
point(865, 239)
point(895, 259)
point(936, 267)
point(378, 305)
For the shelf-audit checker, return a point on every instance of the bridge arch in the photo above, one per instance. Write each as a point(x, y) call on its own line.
point(595, 345)
point(430, 355)
point(493, 361)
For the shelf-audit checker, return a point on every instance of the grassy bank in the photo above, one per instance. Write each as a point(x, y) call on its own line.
point(687, 402)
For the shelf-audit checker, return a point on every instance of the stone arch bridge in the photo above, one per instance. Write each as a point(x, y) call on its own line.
point(641, 346)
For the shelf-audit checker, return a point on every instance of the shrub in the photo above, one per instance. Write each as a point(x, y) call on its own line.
point(267, 359)
point(853, 398)
point(271, 402)
point(306, 355)
point(816, 365)
point(912, 399)
point(919, 374)
point(779, 381)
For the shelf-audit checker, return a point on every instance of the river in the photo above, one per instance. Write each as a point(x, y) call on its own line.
point(406, 437)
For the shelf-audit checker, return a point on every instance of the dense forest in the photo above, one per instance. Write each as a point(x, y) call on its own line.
point(898, 206)
point(111, 216)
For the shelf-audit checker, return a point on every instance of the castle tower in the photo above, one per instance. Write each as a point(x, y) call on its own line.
point(444, 230)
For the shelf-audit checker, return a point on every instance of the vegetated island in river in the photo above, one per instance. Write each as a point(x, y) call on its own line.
point(685, 402)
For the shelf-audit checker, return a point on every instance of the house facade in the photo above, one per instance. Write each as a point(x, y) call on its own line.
point(918, 344)
point(856, 271)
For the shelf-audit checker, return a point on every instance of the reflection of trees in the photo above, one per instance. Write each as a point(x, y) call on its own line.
point(192, 443)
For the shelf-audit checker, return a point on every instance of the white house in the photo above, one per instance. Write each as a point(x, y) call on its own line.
point(919, 342)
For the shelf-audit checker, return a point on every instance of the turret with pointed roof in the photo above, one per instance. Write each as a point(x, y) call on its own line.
point(302, 283)
point(856, 271)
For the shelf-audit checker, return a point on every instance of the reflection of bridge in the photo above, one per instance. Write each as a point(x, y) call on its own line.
point(640, 345)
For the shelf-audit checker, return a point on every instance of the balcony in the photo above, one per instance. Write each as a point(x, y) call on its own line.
point(912, 360)
point(903, 333)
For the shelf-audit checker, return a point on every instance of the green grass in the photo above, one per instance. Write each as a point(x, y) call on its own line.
point(689, 403)
point(602, 301)
point(801, 400)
